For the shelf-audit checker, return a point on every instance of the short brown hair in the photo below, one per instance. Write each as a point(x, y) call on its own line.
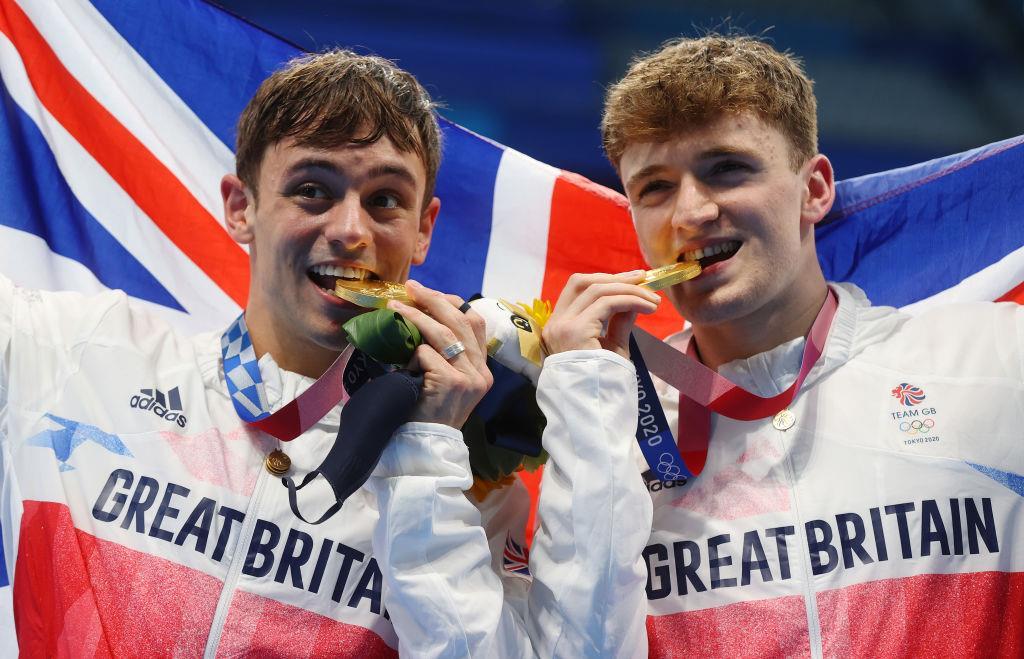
point(690, 82)
point(337, 97)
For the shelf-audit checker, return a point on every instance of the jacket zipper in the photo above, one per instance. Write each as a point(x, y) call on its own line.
point(238, 557)
point(810, 601)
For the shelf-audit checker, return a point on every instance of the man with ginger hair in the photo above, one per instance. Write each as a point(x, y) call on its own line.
point(817, 526)
point(140, 470)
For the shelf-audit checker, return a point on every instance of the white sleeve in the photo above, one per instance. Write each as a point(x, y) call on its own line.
point(440, 590)
point(588, 598)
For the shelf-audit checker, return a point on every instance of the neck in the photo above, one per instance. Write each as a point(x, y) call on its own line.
point(758, 332)
point(302, 357)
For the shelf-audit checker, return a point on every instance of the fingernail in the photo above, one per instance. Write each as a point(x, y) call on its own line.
point(414, 283)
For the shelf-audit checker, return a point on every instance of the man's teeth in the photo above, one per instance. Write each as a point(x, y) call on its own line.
point(343, 272)
point(720, 248)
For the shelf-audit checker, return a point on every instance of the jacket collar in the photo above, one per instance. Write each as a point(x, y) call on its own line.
point(857, 325)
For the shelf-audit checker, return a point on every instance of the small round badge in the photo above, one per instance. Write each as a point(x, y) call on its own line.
point(784, 420)
point(278, 463)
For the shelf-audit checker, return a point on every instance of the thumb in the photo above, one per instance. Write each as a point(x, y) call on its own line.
point(619, 327)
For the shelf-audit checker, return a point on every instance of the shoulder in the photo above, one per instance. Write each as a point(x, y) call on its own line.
point(57, 318)
point(987, 334)
point(966, 325)
point(71, 322)
point(963, 339)
point(963, 318)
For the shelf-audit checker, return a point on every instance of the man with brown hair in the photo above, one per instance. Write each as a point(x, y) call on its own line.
point(140, 471)
point(813, 526)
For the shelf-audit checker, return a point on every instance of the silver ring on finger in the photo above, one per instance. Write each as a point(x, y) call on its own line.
point(453, 351)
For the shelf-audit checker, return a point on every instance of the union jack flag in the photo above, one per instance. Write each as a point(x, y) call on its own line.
point(908, 394)
point(116, 125)
point(516, 558)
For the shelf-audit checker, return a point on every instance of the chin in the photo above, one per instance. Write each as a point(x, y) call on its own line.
point(717, 306)
point(329, 339)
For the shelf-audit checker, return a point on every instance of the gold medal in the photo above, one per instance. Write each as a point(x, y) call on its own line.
point(784, 420)
point(670, 275)
point(278, 463)
point(371, 294)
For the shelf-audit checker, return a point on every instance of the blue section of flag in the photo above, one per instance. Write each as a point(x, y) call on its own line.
point(910, 233)
point(1011, 480)
point(216, 82)
point(465, 185)
point(37, 199)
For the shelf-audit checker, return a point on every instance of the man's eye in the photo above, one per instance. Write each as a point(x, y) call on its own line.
point(728, 166)
point(385, 200)
point(653, 187)
point(311, 191)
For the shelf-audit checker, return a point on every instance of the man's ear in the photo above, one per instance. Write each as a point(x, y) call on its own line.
point(820, 190)
point(426, 230)
point(238, 208)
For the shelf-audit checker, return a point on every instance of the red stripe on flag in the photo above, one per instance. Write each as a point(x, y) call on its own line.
point(146, 180)
point(1015, 294)
point(591, 231)
point(928, 615)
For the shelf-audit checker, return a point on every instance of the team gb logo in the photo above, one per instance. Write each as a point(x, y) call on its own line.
point(908, 394)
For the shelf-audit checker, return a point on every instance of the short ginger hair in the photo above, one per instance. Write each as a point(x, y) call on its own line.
point(337, 97)
point(689, 83)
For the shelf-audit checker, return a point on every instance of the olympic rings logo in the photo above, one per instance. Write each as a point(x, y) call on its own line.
point(668, 467)
point(916, 427)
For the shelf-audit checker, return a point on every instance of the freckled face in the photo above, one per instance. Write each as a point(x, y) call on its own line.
point(354, 211)
point(725, 194)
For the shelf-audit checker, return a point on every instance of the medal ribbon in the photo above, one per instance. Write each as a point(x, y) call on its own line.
point(702, 391)
point(245, 385)
point(652, 431)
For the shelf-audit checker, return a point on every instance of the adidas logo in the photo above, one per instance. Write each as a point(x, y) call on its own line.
point(166, 407)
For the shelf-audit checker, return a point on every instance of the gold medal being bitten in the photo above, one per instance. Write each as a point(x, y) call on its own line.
point(371, 294)
point(670, 275)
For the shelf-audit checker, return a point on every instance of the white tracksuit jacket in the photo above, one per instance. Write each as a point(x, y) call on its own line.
point(138, 518)
point(888, 521)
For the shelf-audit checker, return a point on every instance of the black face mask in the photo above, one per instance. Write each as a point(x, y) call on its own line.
point(380, 402)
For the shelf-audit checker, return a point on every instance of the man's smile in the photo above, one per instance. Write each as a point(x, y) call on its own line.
point(326, 276)
point(711, 254)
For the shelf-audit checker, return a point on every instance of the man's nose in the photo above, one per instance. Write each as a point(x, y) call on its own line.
point(694, 206)
point(348, 223)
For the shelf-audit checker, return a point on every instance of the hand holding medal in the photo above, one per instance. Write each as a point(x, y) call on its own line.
point(598, 310)
point(451, 356)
